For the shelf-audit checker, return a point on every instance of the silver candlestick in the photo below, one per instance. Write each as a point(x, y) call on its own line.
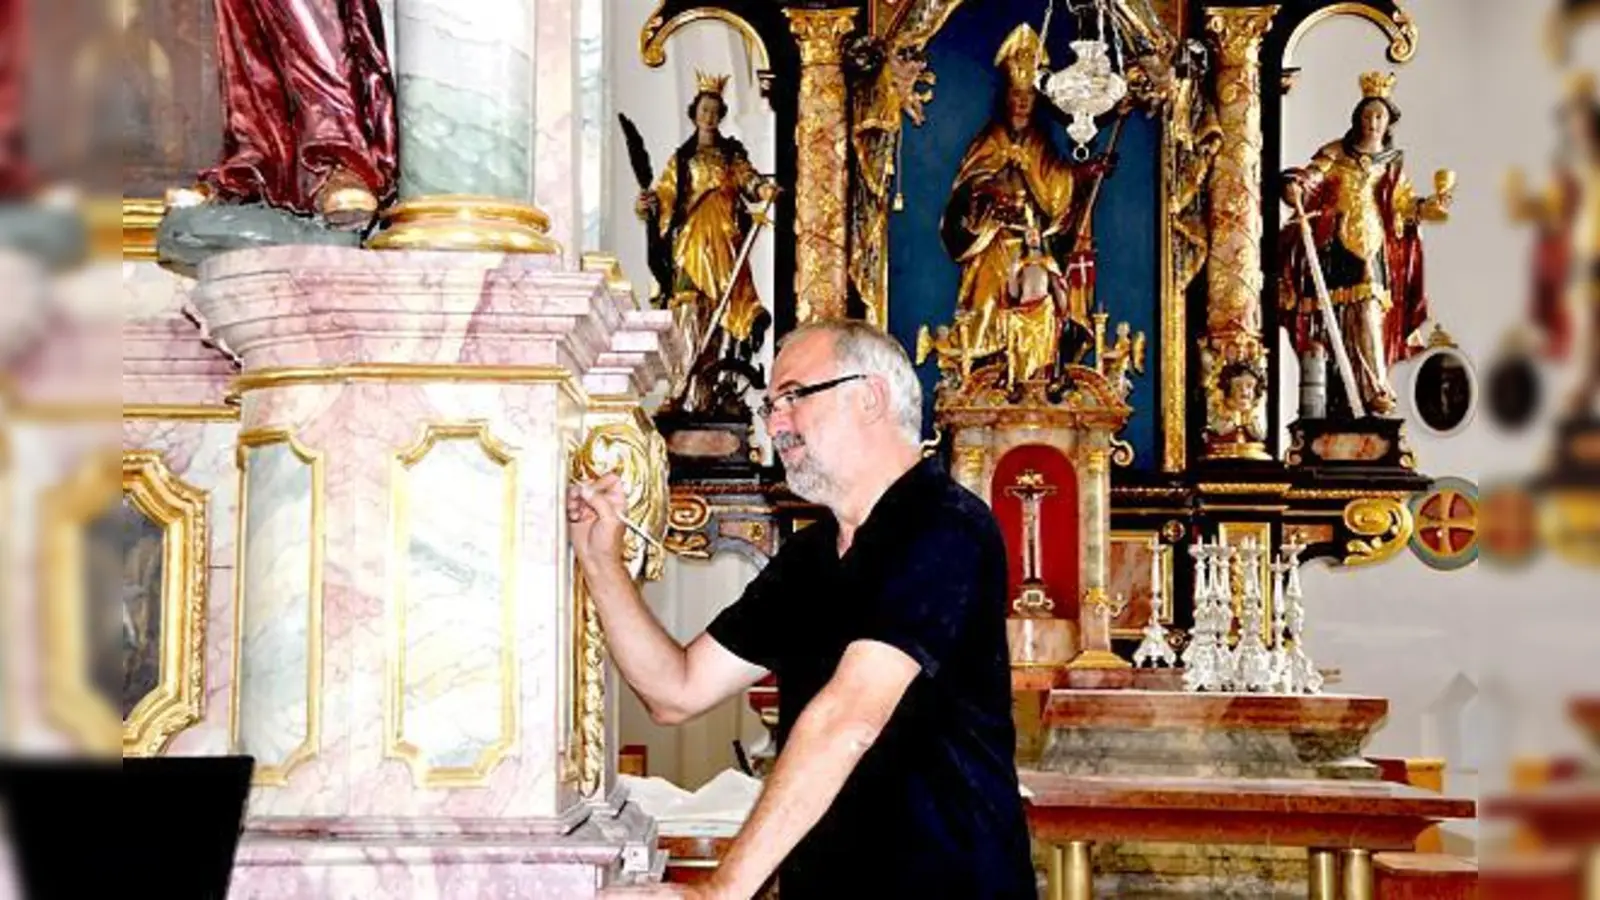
point(1154, 648)
point(1300, 674)
point(1252, 660)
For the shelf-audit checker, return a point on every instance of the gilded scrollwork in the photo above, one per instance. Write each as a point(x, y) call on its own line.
point(1383, 526)
point(625, 443)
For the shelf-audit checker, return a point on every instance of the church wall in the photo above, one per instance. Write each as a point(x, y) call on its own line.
point(1477, 663)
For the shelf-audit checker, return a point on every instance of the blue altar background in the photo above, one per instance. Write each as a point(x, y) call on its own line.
point(922, 277)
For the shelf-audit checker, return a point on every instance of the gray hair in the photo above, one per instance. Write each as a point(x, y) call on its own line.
point(861, 347)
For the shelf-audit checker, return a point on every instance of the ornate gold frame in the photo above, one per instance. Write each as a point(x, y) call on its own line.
point(179, 508)
point(270, 774)
point(1162, 551)
point(1232, 533)
point(1401, 30)
point(657, 30)
point(397, 747)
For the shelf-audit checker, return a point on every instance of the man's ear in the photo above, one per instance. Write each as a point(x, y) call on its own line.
point(876, 401)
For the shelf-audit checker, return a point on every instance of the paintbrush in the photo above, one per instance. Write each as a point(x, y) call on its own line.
point(588, 488)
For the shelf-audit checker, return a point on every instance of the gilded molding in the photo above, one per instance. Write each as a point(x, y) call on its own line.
point(1383, 525)
point(1401, 30)
point(291, 376)
point(180, 509)
point(397, 746)
point(268, 773)
point(70, 702)
point(658, 29)
point(181, 412)
point(141, 216)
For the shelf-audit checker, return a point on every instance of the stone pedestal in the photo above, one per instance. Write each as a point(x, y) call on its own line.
point(1160, 733)
point(418, 673)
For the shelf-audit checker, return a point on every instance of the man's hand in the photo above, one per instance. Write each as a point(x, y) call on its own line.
point(594, 515)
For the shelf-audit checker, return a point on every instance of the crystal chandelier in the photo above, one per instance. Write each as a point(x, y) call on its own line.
point(1093, 84)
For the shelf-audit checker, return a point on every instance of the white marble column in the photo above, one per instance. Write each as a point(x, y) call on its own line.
point(465, 80)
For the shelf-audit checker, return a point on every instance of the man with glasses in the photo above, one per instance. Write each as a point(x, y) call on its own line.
point(885, 626)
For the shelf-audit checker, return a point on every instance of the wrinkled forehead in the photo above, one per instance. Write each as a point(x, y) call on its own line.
point(807, 360)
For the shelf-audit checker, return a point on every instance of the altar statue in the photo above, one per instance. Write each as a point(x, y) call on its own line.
point(1566, 214)
point(309, 106)
point(1364, 218)
point(697, 208)
point(1012, 174)
point(1038, 302)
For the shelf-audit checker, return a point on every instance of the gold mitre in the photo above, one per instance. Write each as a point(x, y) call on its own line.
point(1377, 84)
point(705, 83)
point(1022, 55)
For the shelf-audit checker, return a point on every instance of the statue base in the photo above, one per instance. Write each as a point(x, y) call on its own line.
point(1367, 446)
point(701, 446)
point(465, 222)
point(189, 235)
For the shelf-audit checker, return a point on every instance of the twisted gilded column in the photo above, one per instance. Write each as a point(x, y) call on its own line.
point(1233, 357)
point(822, 180)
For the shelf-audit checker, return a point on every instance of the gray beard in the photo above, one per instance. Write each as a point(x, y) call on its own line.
point(810, 483)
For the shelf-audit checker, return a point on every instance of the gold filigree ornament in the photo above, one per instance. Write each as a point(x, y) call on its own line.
point(1384, 526)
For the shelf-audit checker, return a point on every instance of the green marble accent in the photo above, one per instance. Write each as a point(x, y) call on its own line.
point(189, 235)
point(57, 238)
point(455, 140)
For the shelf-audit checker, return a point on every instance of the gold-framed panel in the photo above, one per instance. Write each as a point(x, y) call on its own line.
point(267, 773)
point(70, 702)
point(179, 508)
point(397, 745)
point(1161, 552)
point(1233, 534)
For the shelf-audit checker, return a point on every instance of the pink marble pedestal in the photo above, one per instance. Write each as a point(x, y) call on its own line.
point(417, 673)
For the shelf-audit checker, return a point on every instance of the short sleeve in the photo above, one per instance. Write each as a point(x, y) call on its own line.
point(932, 590)
point(751, 628)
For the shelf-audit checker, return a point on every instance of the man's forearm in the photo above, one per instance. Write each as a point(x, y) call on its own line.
point(650, 660)
point(823, 749)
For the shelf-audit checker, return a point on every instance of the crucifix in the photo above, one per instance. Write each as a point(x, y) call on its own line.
point(1033, 600)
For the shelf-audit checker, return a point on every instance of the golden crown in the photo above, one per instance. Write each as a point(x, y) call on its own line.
point(1377, 84)
point(1023, 55)
point(710, 84)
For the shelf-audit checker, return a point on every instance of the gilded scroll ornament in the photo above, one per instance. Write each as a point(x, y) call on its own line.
point(631, 448)
point(1383, 525)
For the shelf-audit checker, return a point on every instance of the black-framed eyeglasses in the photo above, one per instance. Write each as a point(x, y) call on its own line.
point(786, 400)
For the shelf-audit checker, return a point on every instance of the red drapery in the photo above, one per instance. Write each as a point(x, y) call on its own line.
point(1058, 522)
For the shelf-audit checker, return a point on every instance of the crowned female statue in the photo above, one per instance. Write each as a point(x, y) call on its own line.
point(1011, 179)
point(697, 209)
point(1364, 217)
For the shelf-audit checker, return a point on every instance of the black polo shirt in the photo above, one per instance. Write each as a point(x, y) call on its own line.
point(933, 809)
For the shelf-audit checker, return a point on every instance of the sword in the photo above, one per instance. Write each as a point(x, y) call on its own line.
point(1325, 307)
point(727, 293)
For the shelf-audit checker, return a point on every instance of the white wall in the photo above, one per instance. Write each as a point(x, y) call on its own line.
point(692, 592)
point(1477, 663)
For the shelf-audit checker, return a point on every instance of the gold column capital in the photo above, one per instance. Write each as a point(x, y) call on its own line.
point(1239, 30)
point(820, 33)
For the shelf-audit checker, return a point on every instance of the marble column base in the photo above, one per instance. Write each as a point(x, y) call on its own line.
point(283, 859)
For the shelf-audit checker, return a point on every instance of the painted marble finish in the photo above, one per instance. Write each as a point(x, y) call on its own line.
point(167, 357)
point(557, 139)
point(456, 701)
point(571, 336)
point(280, 609)
point(465, 84)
